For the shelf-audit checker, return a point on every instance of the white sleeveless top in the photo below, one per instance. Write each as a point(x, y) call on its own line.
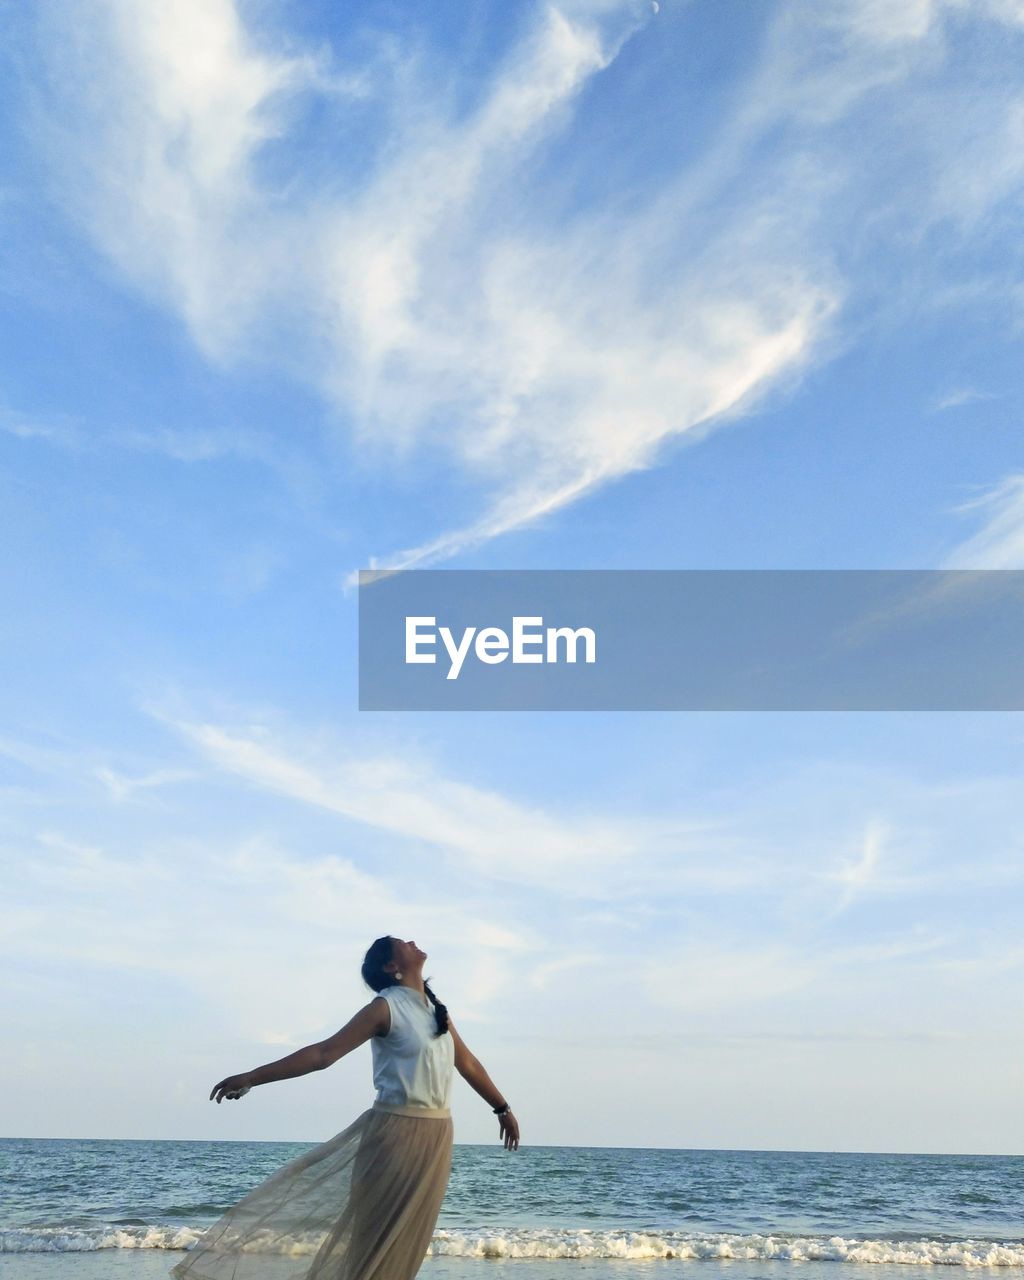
point(412, 1064)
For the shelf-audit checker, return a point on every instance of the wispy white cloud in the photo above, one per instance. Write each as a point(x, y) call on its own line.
point(707, 849)
point(958, 398)
point(193, 444)
point(188, 444)
point(432, 298)
point(122, 787)
point(156, 140)
point(25, 426)
point(584, 853)
point(409, 797)
point(617, 375)
point(999, 543)
point(559, 358)
point(859, 875)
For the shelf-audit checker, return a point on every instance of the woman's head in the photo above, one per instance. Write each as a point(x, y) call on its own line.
point(389, 961)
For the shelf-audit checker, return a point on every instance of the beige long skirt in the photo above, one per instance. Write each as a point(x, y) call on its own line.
point(361, 1206)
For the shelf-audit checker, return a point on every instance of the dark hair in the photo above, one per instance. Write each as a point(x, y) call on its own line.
point(381, 953)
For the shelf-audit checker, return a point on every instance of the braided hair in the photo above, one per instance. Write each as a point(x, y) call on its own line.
point(376, 978)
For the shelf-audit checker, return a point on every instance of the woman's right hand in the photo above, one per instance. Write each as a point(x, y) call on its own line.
point(232, 1087)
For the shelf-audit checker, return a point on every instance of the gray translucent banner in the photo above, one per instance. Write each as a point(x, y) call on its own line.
point(691, 640)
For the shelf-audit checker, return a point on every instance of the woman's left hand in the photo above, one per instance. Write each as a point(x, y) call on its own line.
point(509, 1128)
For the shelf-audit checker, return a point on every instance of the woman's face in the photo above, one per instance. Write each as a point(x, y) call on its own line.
point(406, 957)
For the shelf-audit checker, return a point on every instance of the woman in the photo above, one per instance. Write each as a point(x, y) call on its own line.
point(363, 1205)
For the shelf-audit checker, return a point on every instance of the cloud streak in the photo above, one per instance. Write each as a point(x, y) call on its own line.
point(484, 830)
point(858, 876)
point(435, 294)
point(999, 543)
point(549, 358)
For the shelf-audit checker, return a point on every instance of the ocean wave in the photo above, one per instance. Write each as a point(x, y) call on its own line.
point(550, 1243)
point(696, 1246)
point(89, 1239)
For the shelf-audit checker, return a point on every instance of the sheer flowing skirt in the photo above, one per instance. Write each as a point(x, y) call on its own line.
point(361, 1206)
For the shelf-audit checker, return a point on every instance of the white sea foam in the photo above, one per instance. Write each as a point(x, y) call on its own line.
point(541, 1243)
point(88, 1239)
point(692, 1246)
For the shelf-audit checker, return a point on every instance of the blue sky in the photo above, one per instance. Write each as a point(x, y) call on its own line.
point(290, 291)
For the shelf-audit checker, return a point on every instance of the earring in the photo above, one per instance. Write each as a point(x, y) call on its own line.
point(398, 977)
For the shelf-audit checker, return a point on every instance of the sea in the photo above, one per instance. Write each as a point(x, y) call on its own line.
point(124, 1210)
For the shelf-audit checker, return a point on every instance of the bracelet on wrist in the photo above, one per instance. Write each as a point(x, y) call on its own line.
point(504, 1109)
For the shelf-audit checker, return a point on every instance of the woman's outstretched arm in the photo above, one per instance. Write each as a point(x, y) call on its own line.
point(469, 1066)
point(373, 1019)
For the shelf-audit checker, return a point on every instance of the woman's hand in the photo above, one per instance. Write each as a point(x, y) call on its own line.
point(509, 1129)
point(232, 1087)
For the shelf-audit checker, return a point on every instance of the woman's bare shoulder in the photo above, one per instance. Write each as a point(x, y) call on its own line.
point(381, 1008)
